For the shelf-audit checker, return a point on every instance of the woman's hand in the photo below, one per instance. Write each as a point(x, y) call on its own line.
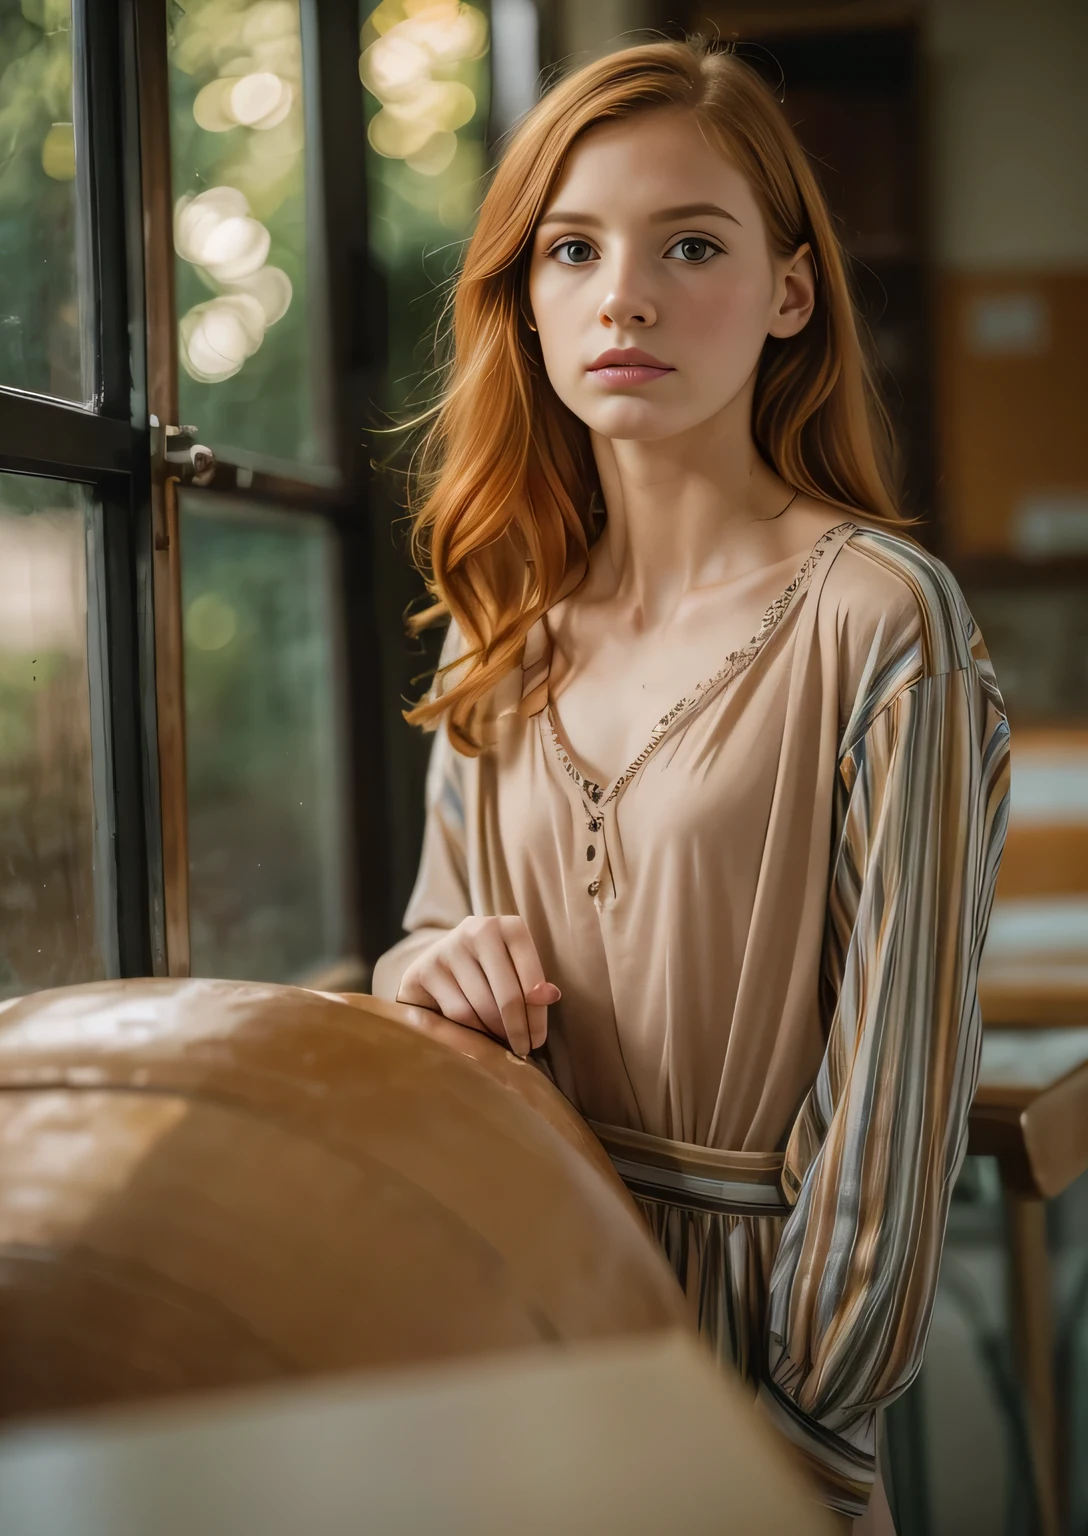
point(485, 974)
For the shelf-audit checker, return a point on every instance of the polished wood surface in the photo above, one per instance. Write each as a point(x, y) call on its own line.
point(643, 1437)
point(209, 1184)
point(516, 1076)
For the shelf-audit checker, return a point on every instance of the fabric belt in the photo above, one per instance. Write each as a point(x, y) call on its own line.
point(698, 1178)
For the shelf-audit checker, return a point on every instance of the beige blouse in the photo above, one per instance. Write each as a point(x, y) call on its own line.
point(767, 933)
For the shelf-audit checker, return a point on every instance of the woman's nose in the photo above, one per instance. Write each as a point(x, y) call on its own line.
point(621, 309)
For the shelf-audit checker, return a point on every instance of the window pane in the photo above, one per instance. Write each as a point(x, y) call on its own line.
point(41, 327)
point(251, 343)
point(262, 687)
point(423, 68)
point(425, 74)
point(53, 928)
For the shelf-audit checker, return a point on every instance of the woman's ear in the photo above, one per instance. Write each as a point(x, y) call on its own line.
point(794, 295)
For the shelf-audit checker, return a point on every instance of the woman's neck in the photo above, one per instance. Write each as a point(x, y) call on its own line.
point(683, 513)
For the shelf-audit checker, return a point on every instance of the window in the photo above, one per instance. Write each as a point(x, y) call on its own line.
point(56, 912)
point(78, 849)
point(426, 96)
point(425, 74)
point(190, 765)
point(248, 235)
point(44, 341)
point(268, 886)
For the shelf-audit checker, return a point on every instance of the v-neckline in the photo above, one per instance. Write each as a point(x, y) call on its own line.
point(736, 662)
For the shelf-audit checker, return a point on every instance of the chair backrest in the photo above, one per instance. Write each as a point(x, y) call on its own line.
point(208, 1183)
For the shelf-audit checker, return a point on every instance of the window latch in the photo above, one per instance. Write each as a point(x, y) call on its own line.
point(187, 461)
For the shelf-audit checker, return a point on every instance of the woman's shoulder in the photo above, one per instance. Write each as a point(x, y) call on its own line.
point(895, 615)
point(886, 586)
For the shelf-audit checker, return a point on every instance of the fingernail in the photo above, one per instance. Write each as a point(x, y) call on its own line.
point(545, 992)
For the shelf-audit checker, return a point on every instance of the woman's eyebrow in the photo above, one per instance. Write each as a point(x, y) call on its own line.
point(557, 216)
point(663, 216)
point(695, 210)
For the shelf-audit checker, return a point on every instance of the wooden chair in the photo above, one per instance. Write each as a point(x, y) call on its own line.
point(224, 1184)
point(1031, 1109)
point(209, 1184)
point(1031, 1114)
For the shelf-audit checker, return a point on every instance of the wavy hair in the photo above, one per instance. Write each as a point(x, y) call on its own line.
point(504, 480)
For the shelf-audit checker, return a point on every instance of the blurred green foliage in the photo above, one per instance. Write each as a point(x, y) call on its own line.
point(419, 223)
point(48, 928)
point(266, 806)
point(40, 329)
point(266, 412)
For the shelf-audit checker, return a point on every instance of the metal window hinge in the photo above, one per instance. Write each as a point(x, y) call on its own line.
point(177, 459)
point(187, 461)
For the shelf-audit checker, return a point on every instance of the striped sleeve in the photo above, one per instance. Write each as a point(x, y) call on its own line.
point(921, 816)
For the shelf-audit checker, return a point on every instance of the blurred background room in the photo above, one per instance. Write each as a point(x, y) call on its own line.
point(227, 230)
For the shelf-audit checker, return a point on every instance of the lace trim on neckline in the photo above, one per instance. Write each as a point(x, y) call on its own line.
point(735, 663)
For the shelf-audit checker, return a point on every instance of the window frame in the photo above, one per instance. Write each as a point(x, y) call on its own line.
point(117, 449)
point(104, 448)
point(355, 353)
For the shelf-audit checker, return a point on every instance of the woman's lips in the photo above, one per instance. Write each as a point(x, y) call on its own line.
point(628, 365)
point(628, 373)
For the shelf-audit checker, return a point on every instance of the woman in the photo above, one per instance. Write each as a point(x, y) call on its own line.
point(743, 940)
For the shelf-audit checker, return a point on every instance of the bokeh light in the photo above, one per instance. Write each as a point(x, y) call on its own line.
point(412, 65)
point(252, 100)
point(211, 622)
point(425, 71)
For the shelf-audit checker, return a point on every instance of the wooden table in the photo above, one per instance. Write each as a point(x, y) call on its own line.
point(639, 1436)
point(1031, 1114)
point(1044, 993)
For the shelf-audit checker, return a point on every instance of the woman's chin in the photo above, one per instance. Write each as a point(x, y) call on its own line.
point(635, 421)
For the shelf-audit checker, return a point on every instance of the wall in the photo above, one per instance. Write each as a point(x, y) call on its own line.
point(1009, 125)
point(1009, 119)
point(587, 28)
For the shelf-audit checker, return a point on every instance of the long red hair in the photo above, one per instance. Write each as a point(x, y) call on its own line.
point(505, 478)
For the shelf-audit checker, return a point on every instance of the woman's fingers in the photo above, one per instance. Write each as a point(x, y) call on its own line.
point(499, 968)
point(470, 976)
point(486, 975)
point(436, 981)
point(544, 992)
point(537, 992)
point(413, 992)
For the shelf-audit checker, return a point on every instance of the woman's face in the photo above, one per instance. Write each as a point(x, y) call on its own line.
point(652, 284)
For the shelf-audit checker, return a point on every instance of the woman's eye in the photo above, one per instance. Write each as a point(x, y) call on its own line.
point(694, 251)
point(573, 253)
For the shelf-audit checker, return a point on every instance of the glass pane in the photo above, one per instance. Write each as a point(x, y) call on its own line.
point(425, 71)
point(41, 326)
point(53, 928)
point(267, 823)
point(251, 343)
